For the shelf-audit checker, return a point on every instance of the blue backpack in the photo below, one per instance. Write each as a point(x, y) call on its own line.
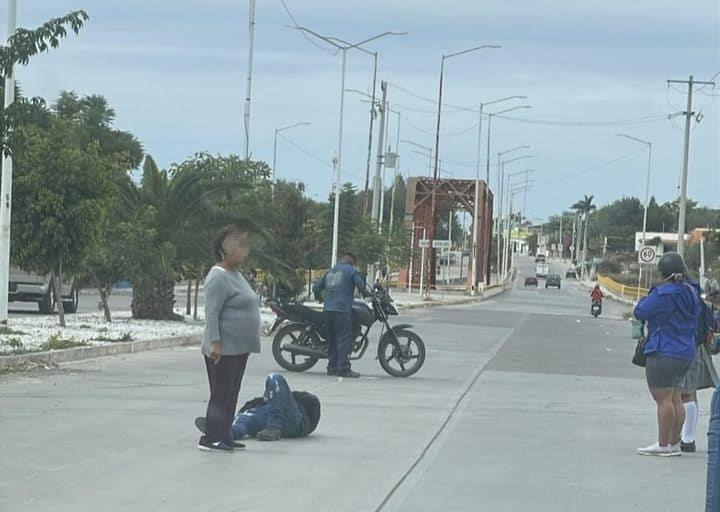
point(706, 326)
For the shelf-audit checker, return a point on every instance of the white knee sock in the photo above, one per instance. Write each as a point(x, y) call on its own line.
point(691, 421)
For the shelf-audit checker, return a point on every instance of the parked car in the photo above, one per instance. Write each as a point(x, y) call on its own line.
point(571, 273)
point(552, 280)
point(540, 258)
point(31, 287)
point(531, 281)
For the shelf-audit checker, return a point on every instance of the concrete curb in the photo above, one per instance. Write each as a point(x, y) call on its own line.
point(56, 357)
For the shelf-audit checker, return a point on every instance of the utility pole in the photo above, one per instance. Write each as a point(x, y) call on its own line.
point(248, 90)
point(572, 250)
point(6, 186)
point(561, 230)
point(370, 135)
point(377, 181)
point(396, 174)
point(686, 154)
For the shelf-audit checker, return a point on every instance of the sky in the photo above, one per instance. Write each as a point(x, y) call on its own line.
point(175, 72)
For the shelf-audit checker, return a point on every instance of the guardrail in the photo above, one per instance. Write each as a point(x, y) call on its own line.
point(628, 292)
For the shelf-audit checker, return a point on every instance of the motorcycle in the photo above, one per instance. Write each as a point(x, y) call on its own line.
point(300, 339)
point(596, 308)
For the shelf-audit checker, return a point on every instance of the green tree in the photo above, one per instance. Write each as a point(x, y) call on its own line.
point(60, 189)
point(24, 44)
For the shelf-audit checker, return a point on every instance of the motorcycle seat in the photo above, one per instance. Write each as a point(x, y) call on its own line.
point(304, 314)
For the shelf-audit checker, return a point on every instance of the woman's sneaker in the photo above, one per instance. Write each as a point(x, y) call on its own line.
point(655, 450)
point(688, 447)
point(217, 446)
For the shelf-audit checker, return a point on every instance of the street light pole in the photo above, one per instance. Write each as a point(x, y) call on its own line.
point(6, 185)
point(343, 46)
point(248, 90)
point(487, 175)
point(476, 207)
point(437, 128)
point(275, 143)
point(647, 196)
point(501, 202)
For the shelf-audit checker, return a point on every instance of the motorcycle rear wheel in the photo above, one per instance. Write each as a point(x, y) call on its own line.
point(294, 334)
point(388, 353)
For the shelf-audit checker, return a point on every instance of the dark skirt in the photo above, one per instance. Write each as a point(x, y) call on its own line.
point(665, 372)
point(702, 374)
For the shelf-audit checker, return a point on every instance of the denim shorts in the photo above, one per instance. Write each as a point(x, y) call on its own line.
point(665, 372)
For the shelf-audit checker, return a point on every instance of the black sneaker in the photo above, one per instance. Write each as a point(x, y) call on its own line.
point(200, 424)
point(218, 446)
point(269, 434)
point(687, 447)
point(349, 374)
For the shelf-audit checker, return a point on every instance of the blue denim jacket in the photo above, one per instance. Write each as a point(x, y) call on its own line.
point(337, 287)
point(671, 311)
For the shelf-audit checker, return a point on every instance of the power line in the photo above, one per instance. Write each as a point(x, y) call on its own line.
point(314, 156)
point(415, 95)
point(617, 122)
point(590, 169)
point(444, 134)
point(309, 40)
point(305, 151)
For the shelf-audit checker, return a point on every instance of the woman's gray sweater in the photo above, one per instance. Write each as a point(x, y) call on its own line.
point(232, 313)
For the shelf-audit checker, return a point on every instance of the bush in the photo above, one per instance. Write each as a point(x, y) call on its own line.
point(55, 342)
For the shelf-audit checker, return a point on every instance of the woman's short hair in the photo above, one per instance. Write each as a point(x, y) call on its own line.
point(222, 235)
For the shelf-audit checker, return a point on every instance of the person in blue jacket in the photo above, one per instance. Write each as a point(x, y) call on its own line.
point(671, 311)
point(337, 290)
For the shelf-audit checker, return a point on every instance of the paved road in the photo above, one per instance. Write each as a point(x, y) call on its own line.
point(89, 303)
point(525, 403)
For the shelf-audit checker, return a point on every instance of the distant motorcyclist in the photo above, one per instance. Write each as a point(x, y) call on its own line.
point(596, 295)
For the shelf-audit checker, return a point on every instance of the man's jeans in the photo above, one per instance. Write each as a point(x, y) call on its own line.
point(339, 329)
point(712, 503)
point(279, 411)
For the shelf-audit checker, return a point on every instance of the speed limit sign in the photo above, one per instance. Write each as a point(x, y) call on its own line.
point(647, 254)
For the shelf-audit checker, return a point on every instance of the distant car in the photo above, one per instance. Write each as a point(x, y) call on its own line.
point(552, 280)
point(571, 273)
point(540, 258)
point(531, 281)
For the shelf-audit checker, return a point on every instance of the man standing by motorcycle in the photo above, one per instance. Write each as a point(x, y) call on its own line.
point(336, 289)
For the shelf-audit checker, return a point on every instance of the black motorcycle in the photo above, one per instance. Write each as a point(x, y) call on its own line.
point(301, 338)
point(596, 308)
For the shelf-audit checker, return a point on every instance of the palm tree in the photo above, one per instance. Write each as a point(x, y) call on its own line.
point(584, 207)
point(170, 217)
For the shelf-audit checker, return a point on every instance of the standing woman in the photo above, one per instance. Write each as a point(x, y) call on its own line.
point(702, 373)
point(232, 333)
point(671, 311)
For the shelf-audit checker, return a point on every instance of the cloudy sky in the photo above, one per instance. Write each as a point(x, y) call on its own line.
point(175, 72)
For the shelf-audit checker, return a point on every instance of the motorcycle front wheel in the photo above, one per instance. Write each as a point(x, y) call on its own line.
point(294, 334)
point(403, 359)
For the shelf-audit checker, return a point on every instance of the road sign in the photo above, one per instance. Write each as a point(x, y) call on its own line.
point(424, 243)
point(647, 254)
point(391, 160)
point(441, 244)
